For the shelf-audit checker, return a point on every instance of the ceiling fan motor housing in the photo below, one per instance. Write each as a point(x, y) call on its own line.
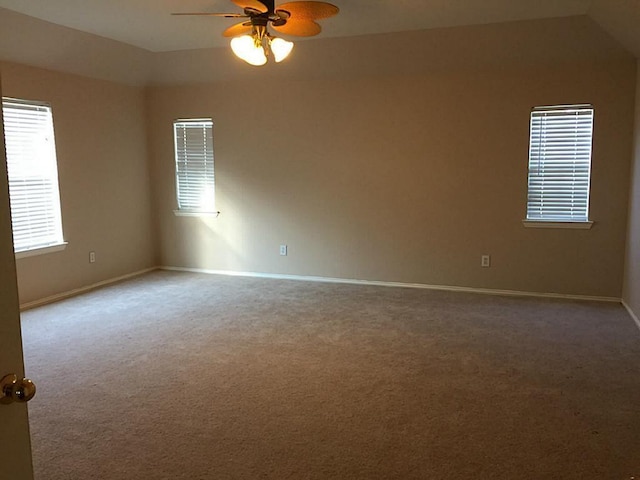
point(296, 18)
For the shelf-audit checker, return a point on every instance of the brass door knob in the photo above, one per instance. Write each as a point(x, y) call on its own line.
point(13, 389)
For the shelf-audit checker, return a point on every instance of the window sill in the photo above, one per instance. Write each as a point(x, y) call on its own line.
point(562, 225)
point(192, 213)
point(41, 251)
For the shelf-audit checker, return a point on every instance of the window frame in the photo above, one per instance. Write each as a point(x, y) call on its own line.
point(206, 163)
point(581, 194)
point(52, 240)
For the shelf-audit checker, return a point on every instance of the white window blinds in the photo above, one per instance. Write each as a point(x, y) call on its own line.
point(33, 174)
point(560, 163)
point(194, 165)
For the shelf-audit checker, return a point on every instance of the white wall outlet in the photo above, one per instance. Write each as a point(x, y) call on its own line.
point(92, 257)
point(485, 261)
point(283, 250)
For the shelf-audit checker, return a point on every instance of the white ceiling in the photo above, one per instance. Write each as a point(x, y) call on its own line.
point(148, 24)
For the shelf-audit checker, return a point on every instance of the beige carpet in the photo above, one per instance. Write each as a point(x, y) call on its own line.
point(187, 376)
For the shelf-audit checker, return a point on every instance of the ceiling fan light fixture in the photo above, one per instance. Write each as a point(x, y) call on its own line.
point(251, 39)
point(280, 48)
point(249, 49)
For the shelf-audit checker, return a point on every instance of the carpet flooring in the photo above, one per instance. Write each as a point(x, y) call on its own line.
point(188, 376)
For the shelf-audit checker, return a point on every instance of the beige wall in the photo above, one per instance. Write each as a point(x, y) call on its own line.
point(405, 174)
point(103, 175)
point(399, 157)
point(631, 294)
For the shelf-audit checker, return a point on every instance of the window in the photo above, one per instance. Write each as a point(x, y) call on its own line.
point(194, 166)
point(33, 175)
point(560, 163)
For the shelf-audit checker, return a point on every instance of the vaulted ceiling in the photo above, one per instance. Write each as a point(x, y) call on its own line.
point(148, 24)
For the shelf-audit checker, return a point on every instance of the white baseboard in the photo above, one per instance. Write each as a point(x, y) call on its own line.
point(631, 313)
point(487, 291)
point(78, 291)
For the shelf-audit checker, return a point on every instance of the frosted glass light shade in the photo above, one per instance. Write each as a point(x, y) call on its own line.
point(245, 48)
point(280, 49)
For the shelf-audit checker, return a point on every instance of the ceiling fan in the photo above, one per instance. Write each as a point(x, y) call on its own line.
point(252, 41)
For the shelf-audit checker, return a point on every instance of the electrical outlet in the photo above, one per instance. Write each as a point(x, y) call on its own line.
point(92, 257)
point(283, 250)
point(486, 261)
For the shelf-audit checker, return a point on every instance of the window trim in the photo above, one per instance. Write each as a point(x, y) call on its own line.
point(195, 213)
point(560, 225)
point(34, 252)
point(559, 222)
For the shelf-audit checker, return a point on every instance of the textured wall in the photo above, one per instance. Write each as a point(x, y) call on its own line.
point(103, 176)
point(410, 170)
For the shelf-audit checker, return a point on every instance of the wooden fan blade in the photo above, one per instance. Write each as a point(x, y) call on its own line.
point(225, 15)
point(238, 29)
point(308, 10)
point(253, 4)
point(299, 28)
